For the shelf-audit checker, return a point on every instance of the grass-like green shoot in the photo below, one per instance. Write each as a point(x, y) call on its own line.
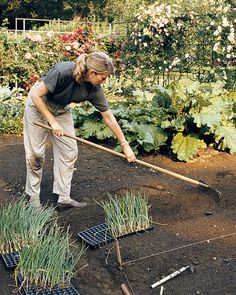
point(21, 224)
point(126, 214)
point(51, 262)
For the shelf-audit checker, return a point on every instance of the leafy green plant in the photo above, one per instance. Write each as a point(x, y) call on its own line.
point(11, 110)
point(21, 225)
point(126, 214)
point(185, 118)
point(218, 118)
point(50, 263)
point(195, 113)
point(88, 122)
point(99, 129)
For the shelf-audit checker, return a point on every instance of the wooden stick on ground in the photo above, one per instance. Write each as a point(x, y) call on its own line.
point(125, 289)
point(118, 254)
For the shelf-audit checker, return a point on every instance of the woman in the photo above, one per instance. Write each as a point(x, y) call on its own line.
point(48, 102)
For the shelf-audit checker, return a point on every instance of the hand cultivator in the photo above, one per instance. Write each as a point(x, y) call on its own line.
point(200, 183)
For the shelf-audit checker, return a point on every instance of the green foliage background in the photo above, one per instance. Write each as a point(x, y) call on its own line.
point(11, 111)
point(183, 119)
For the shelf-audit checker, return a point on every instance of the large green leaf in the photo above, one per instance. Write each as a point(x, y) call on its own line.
point(226, 136)
point(221, 105)
point(129, 126)
point(218, 87)
point(143, 95)
point(186, 147)
point(208, 116)
point(178, 124)
point(97, 129)
point(120, 111)
point(212, 114)
point(189, 86)
point(151, 137)
point(83, 112)
point(104, 133)
point(162, 98)
point(89, 129)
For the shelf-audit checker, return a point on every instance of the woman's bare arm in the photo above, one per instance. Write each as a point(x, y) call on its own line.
point(36, 94)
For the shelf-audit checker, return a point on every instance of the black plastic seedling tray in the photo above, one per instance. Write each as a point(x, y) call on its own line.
point(60, 291)
point(11, 259)
point(63, 291)
point(100, 235)
point(96, 236)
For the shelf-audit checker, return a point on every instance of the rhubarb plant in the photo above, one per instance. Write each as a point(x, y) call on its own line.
point(184, 118)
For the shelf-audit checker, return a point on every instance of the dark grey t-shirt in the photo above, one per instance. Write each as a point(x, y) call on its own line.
point(63, 88)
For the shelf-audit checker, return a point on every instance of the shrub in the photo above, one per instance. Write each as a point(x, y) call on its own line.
point(183, 118)
point(165, 39)
point(23, 59)
point(11, 110)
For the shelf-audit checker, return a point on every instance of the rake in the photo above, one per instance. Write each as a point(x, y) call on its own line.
point(200, 183)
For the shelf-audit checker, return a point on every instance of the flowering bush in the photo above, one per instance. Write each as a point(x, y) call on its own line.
point(82, 40)
point(25, 59)
point(114, 44)
point(85, 40)
point(164, 39)
point(223, 28)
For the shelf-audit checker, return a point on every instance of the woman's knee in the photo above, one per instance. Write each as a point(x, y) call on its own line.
point(73, 154)
point(35, 161)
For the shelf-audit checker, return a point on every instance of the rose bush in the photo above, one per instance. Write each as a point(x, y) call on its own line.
point(164, 39)
point(25, 58)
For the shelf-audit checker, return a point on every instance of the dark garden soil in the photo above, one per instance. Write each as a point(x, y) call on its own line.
point(189, 221)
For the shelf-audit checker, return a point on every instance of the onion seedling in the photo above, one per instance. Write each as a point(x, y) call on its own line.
point(21, 224)
point(127, 214)
point(50, 263)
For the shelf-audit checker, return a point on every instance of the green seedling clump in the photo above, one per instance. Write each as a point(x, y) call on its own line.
point(126, 214)
point(21, 224)
point(49, 264)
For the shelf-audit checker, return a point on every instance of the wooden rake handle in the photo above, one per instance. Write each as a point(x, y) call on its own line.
point(154, 167)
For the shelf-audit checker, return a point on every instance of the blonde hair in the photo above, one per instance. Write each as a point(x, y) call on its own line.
point(98, 62)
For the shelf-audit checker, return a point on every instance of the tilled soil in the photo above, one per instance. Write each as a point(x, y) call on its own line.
point(191, 226)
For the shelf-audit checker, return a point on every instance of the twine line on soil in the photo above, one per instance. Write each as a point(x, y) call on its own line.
point(178, 248)
point(108, 253)
point(127, 280)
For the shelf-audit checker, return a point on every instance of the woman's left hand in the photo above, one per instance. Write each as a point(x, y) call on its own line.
point(128, 153)
point(111, 122)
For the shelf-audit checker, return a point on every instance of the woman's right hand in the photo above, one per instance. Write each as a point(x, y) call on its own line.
point(57, 129)
point(127, 150)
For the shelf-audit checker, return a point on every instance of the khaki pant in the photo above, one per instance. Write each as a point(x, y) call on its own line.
point(65, 152)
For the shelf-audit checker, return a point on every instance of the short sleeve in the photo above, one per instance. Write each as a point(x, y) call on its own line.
point(52, 79)
point(98, 100)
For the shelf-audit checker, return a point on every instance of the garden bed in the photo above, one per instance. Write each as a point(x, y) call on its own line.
point(189, 221)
